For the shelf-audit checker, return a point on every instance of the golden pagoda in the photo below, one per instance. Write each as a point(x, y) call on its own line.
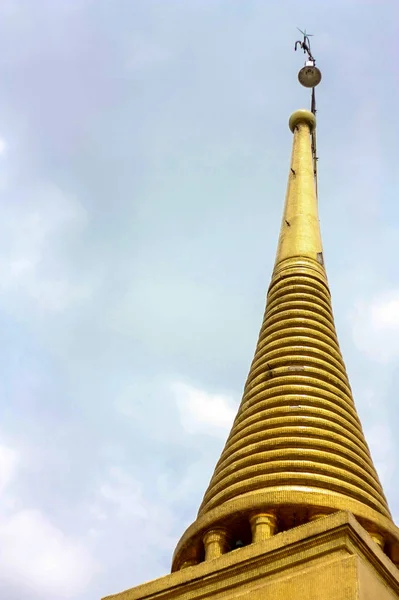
point(295, 508)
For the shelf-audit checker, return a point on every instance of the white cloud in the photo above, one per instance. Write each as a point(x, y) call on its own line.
point(203, 412)
point(385, 312)
point(35, 554)
point(376, 327)
point(3, 146)
point(125, 513)
point(143, 53)
point(31, 265)
point(383, 451)
point(122, 494)
point(8, 463)
point(41, 557)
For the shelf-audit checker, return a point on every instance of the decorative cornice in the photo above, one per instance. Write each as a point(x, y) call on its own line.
point(316, 542)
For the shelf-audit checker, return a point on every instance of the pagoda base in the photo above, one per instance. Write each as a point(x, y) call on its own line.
point(332, 558)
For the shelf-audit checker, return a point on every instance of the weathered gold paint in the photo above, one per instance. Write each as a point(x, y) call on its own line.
point(296, 455)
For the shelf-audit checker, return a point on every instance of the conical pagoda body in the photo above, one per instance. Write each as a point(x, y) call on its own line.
point(296, 451)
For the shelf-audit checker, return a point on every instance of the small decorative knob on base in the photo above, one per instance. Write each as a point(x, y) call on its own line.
point(191, 562)
point(316, 515)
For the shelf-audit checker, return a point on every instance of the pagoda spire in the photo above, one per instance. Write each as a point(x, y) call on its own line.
point(296, 451)
point(300, 232)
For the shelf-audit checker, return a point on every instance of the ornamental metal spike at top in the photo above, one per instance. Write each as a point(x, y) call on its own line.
point(309, 76)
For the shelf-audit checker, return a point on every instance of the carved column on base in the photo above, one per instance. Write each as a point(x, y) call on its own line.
point(263, 526)
point(378, 538)
point(215, 542)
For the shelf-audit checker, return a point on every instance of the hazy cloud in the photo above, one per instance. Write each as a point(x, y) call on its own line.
point(144, 151)
point(200, 410)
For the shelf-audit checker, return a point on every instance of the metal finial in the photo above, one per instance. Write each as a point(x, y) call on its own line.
point(305, 44)
point(310, 76)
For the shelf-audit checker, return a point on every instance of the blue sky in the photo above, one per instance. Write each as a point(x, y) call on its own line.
point(144, 151)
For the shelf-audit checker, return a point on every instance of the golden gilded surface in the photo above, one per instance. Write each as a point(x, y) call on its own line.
point(332, 558)
point(296, 446)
